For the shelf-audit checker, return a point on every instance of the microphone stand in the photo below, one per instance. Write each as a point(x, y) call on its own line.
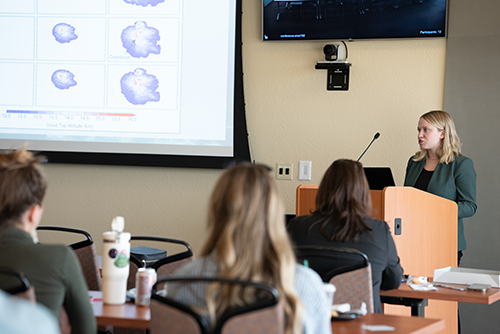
point(374, 137)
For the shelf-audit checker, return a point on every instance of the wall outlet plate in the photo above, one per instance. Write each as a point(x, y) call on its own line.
point(305, 170)
point(284, 171)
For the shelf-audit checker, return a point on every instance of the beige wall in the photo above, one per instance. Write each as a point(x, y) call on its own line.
point(471, 93)
point(291, 117)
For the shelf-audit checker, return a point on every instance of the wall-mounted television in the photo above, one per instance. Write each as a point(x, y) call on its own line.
point(127, 82)
point(353, 19)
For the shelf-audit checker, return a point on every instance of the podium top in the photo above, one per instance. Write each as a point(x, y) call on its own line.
point(379, 177)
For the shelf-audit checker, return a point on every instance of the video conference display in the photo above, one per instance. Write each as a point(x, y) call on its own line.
point(353, 19)
point(118, 76)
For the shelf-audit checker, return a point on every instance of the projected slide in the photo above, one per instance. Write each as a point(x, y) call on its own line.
point(113, 72)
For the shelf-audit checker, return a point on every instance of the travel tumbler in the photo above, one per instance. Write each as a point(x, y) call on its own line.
point(115, 263)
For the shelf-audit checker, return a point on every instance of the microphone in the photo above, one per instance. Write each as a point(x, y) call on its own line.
point(374, 137)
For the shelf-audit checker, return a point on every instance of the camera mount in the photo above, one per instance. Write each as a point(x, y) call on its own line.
point(338, 74)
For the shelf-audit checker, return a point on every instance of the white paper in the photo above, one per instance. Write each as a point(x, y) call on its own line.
point(422, 287)
point(378, 328)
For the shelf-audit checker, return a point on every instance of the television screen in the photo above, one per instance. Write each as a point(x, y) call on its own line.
point(154, 82)
point(353, 19)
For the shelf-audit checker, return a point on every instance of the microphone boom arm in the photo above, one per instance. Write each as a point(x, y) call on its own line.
point(374, 137)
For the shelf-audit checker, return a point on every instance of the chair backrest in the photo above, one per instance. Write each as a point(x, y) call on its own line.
point(181, 300)
point(87, 255)
point(267, 320)
point(164, 267)
point(355, 287)
point(16, 284)
point(346, 268)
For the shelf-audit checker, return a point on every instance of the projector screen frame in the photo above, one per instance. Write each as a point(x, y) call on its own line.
point(241, 151)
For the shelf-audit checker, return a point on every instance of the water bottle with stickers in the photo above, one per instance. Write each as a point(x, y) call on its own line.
point(115, 263)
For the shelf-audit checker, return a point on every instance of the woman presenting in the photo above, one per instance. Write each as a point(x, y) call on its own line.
point(440, 169)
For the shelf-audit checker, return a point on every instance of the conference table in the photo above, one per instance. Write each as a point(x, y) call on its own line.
point(417, 300)
point(129, 315)
point(401, 325)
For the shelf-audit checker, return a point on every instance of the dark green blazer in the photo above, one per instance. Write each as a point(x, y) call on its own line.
point(455, 181)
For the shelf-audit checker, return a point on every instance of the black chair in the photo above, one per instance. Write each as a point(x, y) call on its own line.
point(16, 284)
point(165, 266)
point(346, 268)
point(86, 252)
point(173, 311)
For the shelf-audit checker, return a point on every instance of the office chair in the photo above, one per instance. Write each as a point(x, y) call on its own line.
point(165, 266)
point(87, 255)
point(16, 284)
point(346, 268)
point(178, 306)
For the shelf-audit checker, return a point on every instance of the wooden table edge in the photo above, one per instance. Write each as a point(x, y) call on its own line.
point(477, 297)
point(431, 325)
point(435, 327)
point(105, 321)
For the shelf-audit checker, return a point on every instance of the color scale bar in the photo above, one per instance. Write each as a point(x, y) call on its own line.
point(69, 113)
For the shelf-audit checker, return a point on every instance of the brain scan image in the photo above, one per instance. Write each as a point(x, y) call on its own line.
point(140, 40)
point(64, 33)
point(144, 3)
point(63, 79)
point(138, 87)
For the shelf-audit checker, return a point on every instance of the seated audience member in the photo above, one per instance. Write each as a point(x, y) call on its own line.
point(53, 270)
point(247, 240)
point(342, 218)
point(20, 316)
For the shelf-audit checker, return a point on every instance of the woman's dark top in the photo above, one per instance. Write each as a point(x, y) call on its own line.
point(423, 180)
point(377, 244)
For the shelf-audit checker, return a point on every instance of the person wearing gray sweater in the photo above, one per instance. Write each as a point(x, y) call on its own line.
point(247, 241)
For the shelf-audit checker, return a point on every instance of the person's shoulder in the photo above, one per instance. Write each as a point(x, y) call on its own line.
point(460, 159)
point(376, 224)
point(462, 163)
point(379, 228)
point(300, 219)
point(205, 266)
point(51, 255)
point(411, 159)
point(56, 252)
point(306, 274)
point(298, 222)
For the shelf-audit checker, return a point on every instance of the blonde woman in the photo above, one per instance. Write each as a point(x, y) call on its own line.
point(247, 240)
point(441, 169)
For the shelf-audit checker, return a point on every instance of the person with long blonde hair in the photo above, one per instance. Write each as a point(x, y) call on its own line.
point(440, 168)
point(247, 240)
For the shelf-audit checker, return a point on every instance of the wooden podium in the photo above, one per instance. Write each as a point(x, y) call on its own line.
point(424, 228)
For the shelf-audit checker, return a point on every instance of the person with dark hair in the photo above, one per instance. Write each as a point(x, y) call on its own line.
point(53, 270)
point(342, 218)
